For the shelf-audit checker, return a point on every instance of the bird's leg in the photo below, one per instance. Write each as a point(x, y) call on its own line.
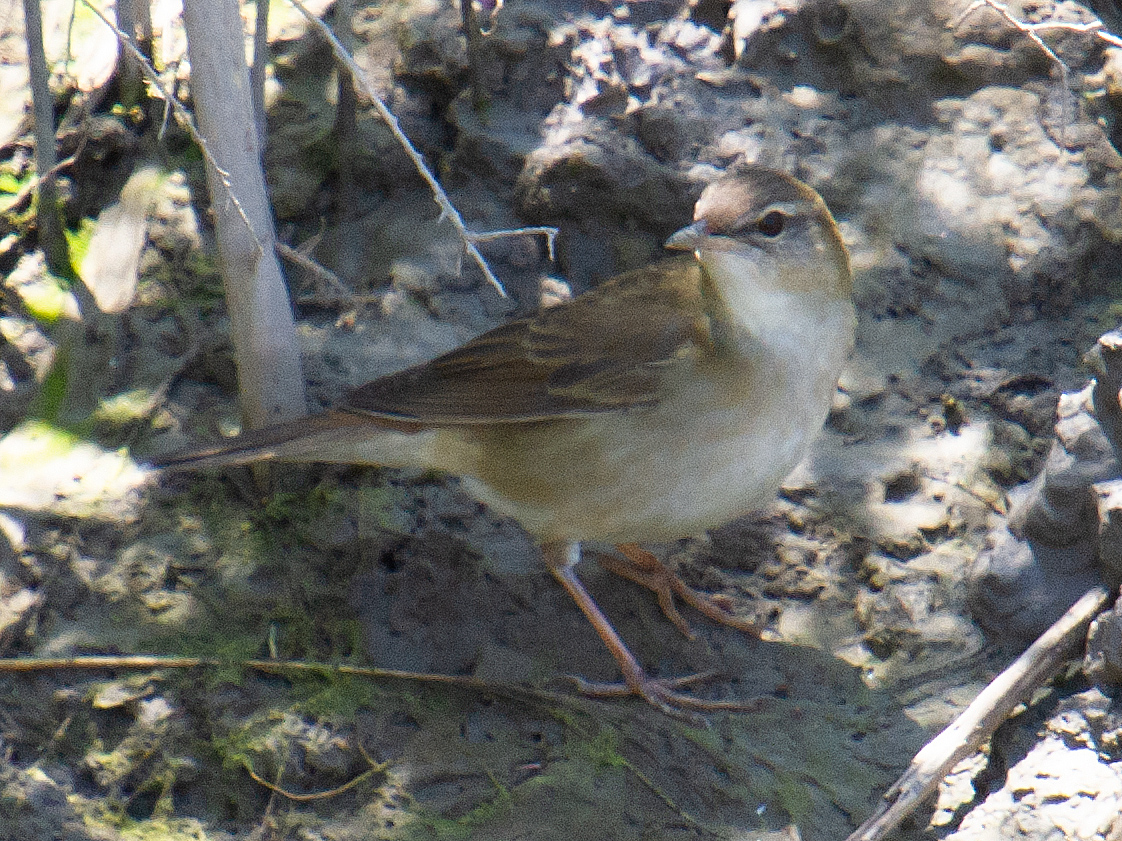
point(644, 568)
point(561, 558)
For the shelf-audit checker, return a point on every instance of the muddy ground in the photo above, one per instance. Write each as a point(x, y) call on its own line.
point(977, 184)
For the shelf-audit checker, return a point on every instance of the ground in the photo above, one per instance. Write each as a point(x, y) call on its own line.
point(976, 185)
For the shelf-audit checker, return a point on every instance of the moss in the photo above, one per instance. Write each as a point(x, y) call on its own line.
point(793, 795)
point(482, 815)
point(124, 408)
point(15, 179)
point(243, 747)
point(342, 698)
point(162, 828)
point(12, 184)
point(602, 750)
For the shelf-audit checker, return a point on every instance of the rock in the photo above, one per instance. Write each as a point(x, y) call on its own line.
point(1058, 509)
point(1017, 588)
point(1103, 661)
point(1064, 786)
point(1108, 495)
point(16, 611)
point(1054, 792)
point(1060, 537)
point(591, 177)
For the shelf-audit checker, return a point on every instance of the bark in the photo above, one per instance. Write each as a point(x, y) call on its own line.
point(261, 325)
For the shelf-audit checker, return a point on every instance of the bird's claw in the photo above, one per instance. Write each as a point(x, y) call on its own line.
point(645, 569)
point(662, 694)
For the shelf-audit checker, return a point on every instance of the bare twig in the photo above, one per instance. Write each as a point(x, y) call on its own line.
point(349, 250)
point(978, 721)
point(447, 209)
point(51, 240)
point(183, 117)
point(548, 231)
point(129, 73)
point(302, 260)
point(474, 38)
point(96, 662)
point(317, 795)
point(1030, 30)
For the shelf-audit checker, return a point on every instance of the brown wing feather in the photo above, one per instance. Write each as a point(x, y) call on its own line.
point(592, 354)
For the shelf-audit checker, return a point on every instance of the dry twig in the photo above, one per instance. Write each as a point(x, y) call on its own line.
point(183, 117)
point(294, 255)
point(315, 795)
point(447, 209)
point(94, 662)
point(1032, 30)
point(976, 724)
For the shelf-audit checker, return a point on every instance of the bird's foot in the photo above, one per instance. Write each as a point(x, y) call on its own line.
point(645, 569)
point(663, 694)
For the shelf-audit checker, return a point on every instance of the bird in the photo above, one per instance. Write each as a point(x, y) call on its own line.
point(666, 401)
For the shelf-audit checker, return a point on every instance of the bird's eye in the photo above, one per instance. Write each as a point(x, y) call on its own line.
point(771, 223)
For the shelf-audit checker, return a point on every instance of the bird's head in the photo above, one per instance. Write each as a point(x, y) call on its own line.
point(766, 229)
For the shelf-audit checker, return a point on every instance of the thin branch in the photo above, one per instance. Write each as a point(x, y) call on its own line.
point(447, 209)
point(548, 231)
point(976, 724)
point(51, 240)
point(474, 38)
point(1030, 30)
point(183, 117)
point(317, 795)
point(302, 260)
point(96, 662)
point(1019, 25)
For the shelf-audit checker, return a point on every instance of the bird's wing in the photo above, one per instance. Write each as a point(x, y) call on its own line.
point(605, 350)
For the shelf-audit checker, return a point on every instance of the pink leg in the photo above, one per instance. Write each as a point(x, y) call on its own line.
point(561, 558)
point(644, 568)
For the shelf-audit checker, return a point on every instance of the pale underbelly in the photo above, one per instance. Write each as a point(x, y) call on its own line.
point(717, 446)
point(638, 477)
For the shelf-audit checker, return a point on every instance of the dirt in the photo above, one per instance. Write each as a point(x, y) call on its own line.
point(977, 188)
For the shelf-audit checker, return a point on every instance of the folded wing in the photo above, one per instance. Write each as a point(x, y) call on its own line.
point(604, 351)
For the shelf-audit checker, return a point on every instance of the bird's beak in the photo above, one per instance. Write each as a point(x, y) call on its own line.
point(689, 237)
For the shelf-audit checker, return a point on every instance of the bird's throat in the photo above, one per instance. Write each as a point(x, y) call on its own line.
point(780, 319)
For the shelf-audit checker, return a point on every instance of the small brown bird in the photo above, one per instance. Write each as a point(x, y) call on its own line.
point(666, 401)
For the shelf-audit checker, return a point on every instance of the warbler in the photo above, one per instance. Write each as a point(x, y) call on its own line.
point(666, 401)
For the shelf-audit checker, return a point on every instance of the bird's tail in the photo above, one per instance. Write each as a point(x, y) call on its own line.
point(334, 436)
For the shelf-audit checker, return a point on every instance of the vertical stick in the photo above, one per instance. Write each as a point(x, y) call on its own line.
point(261, 324)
